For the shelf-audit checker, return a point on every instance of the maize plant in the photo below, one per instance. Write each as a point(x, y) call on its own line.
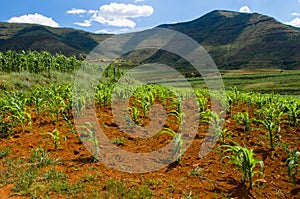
point(145, 107)
point(294, 113)
point(234, 95)
point(216, 122)
point(79, 102)
point(56, 106)
point(178, 142)
point(88, 134)
point(202, 101)
point(222, 133)
point(70, 124)
point(244, 159)
point(56, 138)
point(134, 113)
point(272, 124)
point(38, 100)
point(17, 109)
point(35, 62)
point(178, 115)
point(294, 165)
point(243, 119)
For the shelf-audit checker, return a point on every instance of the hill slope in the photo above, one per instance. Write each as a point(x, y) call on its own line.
point(37, 37)
point(239, 40)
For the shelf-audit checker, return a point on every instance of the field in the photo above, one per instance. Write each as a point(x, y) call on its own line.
point(259, 80)
point(43, 153)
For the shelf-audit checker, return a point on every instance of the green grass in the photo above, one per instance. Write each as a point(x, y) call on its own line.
point(258, 80)
point(26, 81)
point(287, 82)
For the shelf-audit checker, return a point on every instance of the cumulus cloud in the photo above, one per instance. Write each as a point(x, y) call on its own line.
point(105, 31)
point(115, 14)
point(85, 23)
point(76, 11)
point(296, 14)
point(116, 10)
point(245, 9)
point(119, 22)
point(34, 19)
point(295, 22)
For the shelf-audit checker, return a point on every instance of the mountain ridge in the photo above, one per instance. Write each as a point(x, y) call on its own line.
point(242, 40)
point(233, 39)
point(68, 41)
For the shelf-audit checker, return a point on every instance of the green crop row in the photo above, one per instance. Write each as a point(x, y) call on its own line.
point(36, 62)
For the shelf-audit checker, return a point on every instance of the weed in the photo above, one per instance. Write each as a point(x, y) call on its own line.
point(40, 158)
point(4, 152)
point(25, 180)
point(119, 141)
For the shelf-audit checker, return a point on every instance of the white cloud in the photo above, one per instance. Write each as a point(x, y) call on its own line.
point(296, 14)
point(115, 14)
point(76, 11)
point(121, 31)
point(245, 9)
point(136, 1)
point(105, 31)
point(116, 10)
point(295, 22)
point(86, 23)
point(34, 19)
point(119, 22)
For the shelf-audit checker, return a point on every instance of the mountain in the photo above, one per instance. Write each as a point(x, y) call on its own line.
point(55, 40)
point(240, 40)
point(234, 40)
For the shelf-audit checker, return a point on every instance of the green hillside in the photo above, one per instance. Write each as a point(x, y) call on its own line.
point(240, 40)
point(41, 38)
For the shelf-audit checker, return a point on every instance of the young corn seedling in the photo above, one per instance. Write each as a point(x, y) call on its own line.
point(272, 125)
point(244, 159)
point(134, 114)
point(70, 124)
point(79, 102)
point(38, 101)
point(294, 112)
point(56, 106)
point(205, 117)
point(211, 117)
point(216, 120)
point(294, 165)
point(243, 119)
point(18, 112)
point(56, 138)
point(178, 115)
point(145, 105)
point(88, 134)
point(223, 133)
point(202, 101)
point(178, 142)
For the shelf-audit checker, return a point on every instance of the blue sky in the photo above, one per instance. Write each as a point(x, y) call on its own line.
point(117, 16)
